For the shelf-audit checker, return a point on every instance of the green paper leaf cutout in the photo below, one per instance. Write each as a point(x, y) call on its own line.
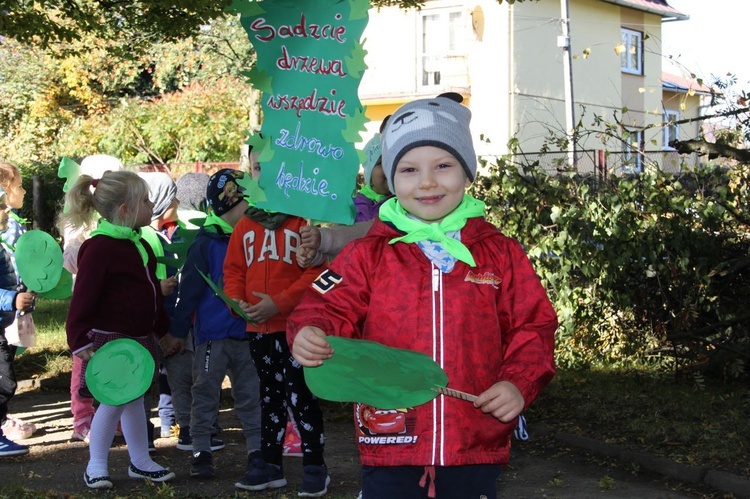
point(359, 10)
point(374, 374)
point(355, 63)
point(245, 8)
point(251, 189)
point(261, 79)
point(70, 171)
point(62, 290)
point(262, 144)
point(221, 294)
point(355, 124)
point(39, 260)
point(120, 372)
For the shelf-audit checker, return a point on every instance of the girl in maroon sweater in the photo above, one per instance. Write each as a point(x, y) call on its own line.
point(117, 295)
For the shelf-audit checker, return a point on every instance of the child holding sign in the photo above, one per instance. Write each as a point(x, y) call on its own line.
point(262, 274)
point(11, 300)
point(117, 295)
point(433, 276)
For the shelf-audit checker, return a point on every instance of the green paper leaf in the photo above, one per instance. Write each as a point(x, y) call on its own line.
point(63, 289)
point(221, 294)
point(355, 64)
point(355, 124)
point(359, 10)
point(251, 189)
point(120, 372)
point(70, 171)
point(261, 79)
point(371, 373)
point(39, 260)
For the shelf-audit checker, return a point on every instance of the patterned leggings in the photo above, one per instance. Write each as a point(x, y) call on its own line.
point(282, 386)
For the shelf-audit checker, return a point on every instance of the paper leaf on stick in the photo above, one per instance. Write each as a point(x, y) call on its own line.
point(62, 290)
point(39, 260)
point(374, 374)
point(70, 171)
point(120, 372)
point(221, 294)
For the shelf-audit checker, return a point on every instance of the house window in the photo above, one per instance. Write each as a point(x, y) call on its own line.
point(440, 37)
point(631, 55)
point(671, 129)
point(632, 156)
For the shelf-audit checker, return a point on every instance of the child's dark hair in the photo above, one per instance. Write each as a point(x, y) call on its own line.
point(104, 196)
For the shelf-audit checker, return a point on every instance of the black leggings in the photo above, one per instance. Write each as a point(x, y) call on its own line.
point(282, 385)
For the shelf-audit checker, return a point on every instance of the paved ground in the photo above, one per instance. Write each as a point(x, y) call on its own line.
point(544, 467)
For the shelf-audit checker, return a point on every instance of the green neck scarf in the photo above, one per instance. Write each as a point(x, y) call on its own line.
point(417, 230)
point(370, 194)
point(17, 218)
point(215, 220)
point(107, 228)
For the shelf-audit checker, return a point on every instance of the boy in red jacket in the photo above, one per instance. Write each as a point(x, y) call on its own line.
point(433, 276)
point(262, 274)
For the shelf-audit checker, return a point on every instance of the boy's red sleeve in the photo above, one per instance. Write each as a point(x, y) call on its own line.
point(235, 268)
point(529, 328)
point(291, 296)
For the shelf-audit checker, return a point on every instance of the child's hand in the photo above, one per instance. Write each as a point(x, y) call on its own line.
point(503, 400)
point(305, 256)
point(310, 348)
point(263, 310)
point(24, 302)
point(171, 345)
point(245, 306)
point(310, 237)
point(85, 354)
point(168, 285)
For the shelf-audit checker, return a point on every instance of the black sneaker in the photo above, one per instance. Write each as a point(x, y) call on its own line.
point(315, 481)
point(202, 465)
point(261, 476)
point(185, 441)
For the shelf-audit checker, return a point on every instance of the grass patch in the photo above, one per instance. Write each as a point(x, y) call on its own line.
point(50, 356)
point(694, 424)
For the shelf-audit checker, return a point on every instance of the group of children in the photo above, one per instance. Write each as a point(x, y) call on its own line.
point(427, 273)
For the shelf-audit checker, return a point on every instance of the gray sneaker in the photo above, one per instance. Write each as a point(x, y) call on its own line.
point(261, 476)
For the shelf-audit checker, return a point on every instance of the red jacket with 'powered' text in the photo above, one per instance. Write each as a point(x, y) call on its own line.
point(483, 324)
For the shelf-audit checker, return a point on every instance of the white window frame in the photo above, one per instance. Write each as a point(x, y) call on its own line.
point(632, 155)
point(442, 39)
point(671, 129)
point(632, 42)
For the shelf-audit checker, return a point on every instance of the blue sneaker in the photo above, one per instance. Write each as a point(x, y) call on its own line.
point(261, 476)
point(315, 481)
point(9, 448)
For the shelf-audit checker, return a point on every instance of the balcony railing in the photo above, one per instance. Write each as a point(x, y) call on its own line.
point(603, 163)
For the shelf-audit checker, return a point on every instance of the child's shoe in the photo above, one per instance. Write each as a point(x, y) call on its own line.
point(185, 441)
point(99, 482)
point(202, 465)
point(292, 441)
point(315, 481)
point(81, 434)
point(261, 476)
point(162, 475)
point(15, 429)
point(9, 448)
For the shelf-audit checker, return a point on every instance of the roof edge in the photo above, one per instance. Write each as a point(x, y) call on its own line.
point(666, 12)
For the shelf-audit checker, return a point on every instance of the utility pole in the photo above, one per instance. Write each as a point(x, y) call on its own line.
point(563, 42)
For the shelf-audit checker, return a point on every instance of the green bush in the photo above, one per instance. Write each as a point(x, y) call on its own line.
point(643, 269)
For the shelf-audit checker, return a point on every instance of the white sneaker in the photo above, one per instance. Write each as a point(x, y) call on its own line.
point(15, 429)
point(81, 434)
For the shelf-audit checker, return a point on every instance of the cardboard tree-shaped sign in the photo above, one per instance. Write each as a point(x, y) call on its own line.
point(309, 66)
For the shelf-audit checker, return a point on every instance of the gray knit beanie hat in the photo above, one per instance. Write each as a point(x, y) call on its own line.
point(161, 191)
point(440, 122)
point(191, 191)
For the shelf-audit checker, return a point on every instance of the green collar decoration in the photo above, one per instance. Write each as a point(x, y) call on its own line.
point(107, 228)
point(417, 230)
point(214, 220)
point(370, 194)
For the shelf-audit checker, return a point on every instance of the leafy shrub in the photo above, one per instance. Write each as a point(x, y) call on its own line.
point(643, 269)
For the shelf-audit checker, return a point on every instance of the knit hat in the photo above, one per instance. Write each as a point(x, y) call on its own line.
point(191, 191)
point(223, 192)
point(372, 151)
point(97, 164)
point(440, 122)
point(161, 191)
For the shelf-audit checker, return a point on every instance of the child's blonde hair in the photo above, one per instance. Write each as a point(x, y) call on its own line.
point(8, 174)
point(83, 200)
